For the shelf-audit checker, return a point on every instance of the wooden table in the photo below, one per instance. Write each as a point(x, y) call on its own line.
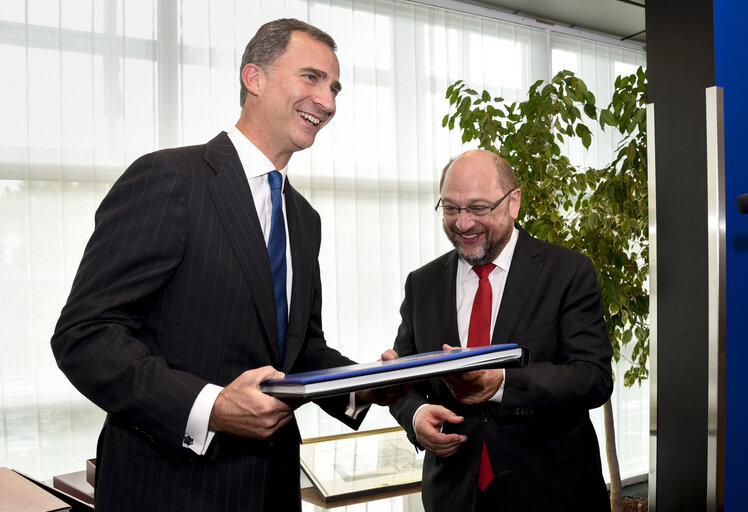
point(76, 485)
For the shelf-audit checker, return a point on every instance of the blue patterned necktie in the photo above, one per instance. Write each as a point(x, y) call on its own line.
point(277, 254)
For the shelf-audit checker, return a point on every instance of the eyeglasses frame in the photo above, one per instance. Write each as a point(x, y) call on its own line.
point(466, 209)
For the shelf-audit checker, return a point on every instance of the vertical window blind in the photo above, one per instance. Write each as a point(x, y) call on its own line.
point(89, 86)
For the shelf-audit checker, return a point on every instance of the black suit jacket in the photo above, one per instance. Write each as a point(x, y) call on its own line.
point(542, 445)
point(175, 291)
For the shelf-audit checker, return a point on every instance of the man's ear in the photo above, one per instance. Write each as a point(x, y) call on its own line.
point(252, 76)
point(516, 199)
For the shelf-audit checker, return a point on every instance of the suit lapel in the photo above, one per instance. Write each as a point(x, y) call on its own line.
point(445, 285)
point(301, 245)
point(520, 282)
point(236, 209)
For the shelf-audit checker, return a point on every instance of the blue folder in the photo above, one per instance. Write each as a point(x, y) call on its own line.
point(344, 379)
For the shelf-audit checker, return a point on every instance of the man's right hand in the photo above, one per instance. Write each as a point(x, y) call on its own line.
point(428, 423)
point(243, 410)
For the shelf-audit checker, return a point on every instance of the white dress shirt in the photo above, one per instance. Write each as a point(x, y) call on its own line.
point(256, 166)
point(467, 285)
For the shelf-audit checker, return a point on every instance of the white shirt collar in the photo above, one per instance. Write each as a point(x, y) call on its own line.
point(253, 160)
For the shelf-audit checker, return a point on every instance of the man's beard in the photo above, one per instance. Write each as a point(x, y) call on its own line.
point(487, 252)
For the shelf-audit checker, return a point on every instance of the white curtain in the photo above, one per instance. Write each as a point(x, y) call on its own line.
point(88, 86)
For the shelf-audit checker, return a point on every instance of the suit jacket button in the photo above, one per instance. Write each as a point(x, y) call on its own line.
point(484, 418)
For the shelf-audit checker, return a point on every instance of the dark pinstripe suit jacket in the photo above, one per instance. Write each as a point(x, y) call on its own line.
point(175, 291)
point(543, 448)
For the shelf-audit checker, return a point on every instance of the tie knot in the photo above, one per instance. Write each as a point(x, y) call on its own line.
point(484, 270)
point(275, 179)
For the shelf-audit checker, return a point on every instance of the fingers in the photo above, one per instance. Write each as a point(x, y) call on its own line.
point(437, 415)
point(265, 423)
point(273, 423)
point(383, 396)
point(398, 391)
point(395, 393)
point(242, 409)
point(262, 374)
point(442, 445)
point(475, 387)
point(445, 449)
point(389, 355)
point(293, 403)
point(428, 423)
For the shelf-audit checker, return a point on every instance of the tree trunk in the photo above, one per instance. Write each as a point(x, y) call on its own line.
point(616, 497)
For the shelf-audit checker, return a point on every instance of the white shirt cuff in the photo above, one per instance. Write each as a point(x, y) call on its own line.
point(197, 437)
point(500, 393)
point(413, 421)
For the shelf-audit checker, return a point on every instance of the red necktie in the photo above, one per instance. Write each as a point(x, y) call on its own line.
point(479, 334)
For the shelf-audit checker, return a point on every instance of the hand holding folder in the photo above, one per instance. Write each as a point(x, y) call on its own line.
point(387, 395)
point(474, 387)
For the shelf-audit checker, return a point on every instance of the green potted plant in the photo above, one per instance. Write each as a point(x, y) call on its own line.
point(602, 213)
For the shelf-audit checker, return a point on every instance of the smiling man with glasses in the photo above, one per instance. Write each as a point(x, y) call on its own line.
point(478, 235)
point(516, 439)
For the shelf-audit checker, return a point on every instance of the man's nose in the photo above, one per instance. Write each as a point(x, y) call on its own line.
point(325, 98)
point(464, 220)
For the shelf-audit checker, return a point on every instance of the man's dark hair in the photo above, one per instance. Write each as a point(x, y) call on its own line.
point(271, 41)
point(444, 173)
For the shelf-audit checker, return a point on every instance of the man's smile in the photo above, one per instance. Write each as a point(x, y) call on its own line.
point(469, 238)
point(314, 121)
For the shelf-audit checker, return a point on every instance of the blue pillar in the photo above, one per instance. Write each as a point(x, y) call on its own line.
point(699, 402)
point(731, 73)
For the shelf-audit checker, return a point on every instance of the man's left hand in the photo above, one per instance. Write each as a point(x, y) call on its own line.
point(474, 387)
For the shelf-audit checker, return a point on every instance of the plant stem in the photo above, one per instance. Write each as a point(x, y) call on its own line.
point(616, 497)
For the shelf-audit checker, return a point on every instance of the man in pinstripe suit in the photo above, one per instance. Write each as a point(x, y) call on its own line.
point(171, 323)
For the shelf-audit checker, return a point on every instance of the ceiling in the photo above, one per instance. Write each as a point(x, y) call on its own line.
point(622, 19)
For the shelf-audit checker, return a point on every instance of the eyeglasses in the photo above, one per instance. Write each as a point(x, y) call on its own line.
point(476, 210)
